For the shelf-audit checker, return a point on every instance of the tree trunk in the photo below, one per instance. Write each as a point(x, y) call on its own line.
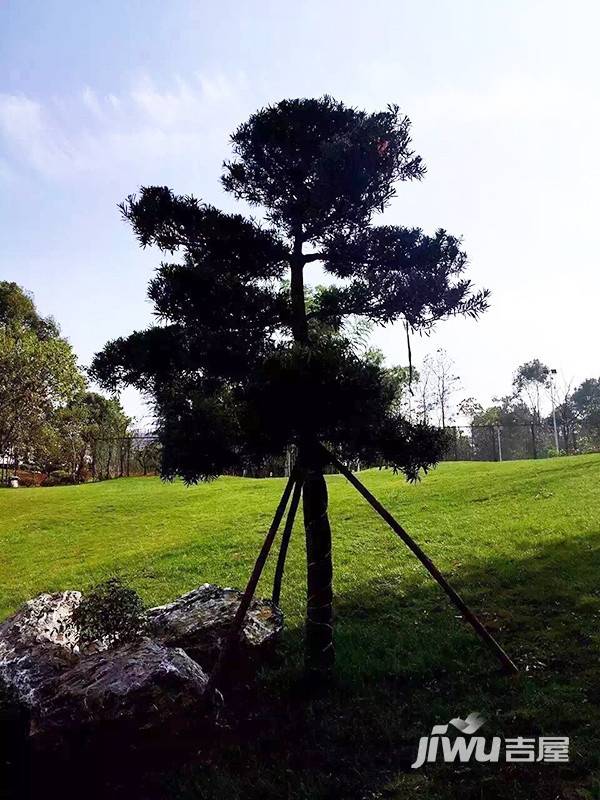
point(533, 440)
point(319, 653)
point(319, 650)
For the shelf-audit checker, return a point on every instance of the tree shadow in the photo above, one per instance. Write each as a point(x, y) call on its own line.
point(406, 661)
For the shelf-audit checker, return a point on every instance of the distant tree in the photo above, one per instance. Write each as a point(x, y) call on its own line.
point(402, 380)
point(424, 393)
point(242, 364)
point(567, 422)
point(105, 426)
point(566, 415)
point(513, 417)
point(82, 435)
point(470, 408)
point(506, 411)
point(445, 382)
point(399, 379)
point(530, 379)
point(146, 453)
point(37, 376)
point(47, 417)
point(586, 405)
point(18, 312)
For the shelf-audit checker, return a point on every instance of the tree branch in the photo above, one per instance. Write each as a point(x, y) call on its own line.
point(310, 257)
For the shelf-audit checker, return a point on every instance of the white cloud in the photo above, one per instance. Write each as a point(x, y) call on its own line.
point(25, 129)
point(515, 96)
point(19, 115)
point(96, 133)
point(6, 172)
point(90, 100)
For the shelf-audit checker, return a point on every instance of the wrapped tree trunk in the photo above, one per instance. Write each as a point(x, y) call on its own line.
point(319, 652)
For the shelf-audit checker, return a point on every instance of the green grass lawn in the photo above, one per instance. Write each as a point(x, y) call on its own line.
point(520, 541)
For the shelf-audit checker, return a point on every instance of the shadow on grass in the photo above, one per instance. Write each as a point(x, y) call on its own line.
point(406, 661)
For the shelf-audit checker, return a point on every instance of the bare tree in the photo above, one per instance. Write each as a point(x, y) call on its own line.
point(529, 381)
point(444, 383)
point(423, 392)
point(567, 417)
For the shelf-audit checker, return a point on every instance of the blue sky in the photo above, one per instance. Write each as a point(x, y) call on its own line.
point(97, 99)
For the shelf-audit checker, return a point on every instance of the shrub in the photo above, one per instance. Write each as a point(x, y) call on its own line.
point(59, 477)
point(26, 480)
point(29, 477)
point(110, 613)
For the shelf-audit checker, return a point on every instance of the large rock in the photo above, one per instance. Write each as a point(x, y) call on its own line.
point(135, 686)
point(146, 684)
point(37, 644)
point(199, 621)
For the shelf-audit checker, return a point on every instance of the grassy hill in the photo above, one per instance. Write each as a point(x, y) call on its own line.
point(519, 540)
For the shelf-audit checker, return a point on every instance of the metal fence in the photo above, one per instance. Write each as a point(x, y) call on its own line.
point(139, 454)
point(123, 457)
point(129, 456)
point(518, 441)
point(100, 459)
point(467, 443)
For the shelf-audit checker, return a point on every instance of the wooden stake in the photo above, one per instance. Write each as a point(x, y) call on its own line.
point(238, 621)
point(469, 615)
point(285, 541)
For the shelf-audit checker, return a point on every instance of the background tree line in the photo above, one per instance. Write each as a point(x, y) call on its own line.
point(523, 416)
point(53, 429)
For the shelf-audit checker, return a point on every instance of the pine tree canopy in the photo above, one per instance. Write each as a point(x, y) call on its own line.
point(244, 360)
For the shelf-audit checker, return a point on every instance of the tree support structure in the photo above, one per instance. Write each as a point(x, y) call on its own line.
point(319, 556)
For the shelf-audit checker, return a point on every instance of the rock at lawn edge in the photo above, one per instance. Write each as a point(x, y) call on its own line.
point(140, 685)
point(198, 622)
point(136, 686)
point(37, 644)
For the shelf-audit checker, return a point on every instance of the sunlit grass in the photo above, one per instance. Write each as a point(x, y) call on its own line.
point(520, 541)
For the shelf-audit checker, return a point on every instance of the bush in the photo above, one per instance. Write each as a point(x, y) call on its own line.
point(26, 480)
point(59, 477)
point(110, 613)
point(29, 477)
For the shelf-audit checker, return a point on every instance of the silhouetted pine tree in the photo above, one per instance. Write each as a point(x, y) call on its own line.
point(244, 362)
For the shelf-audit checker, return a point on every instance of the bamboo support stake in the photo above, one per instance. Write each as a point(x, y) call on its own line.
point(285, 541)
point(240, 616)
point(455, 598)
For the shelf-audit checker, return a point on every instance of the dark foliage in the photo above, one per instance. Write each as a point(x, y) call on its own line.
point(109, 613)
point(320, 164)
point(243, 362)
point(401, 272)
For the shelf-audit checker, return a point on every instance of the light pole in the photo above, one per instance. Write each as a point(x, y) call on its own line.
point(552, 374)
